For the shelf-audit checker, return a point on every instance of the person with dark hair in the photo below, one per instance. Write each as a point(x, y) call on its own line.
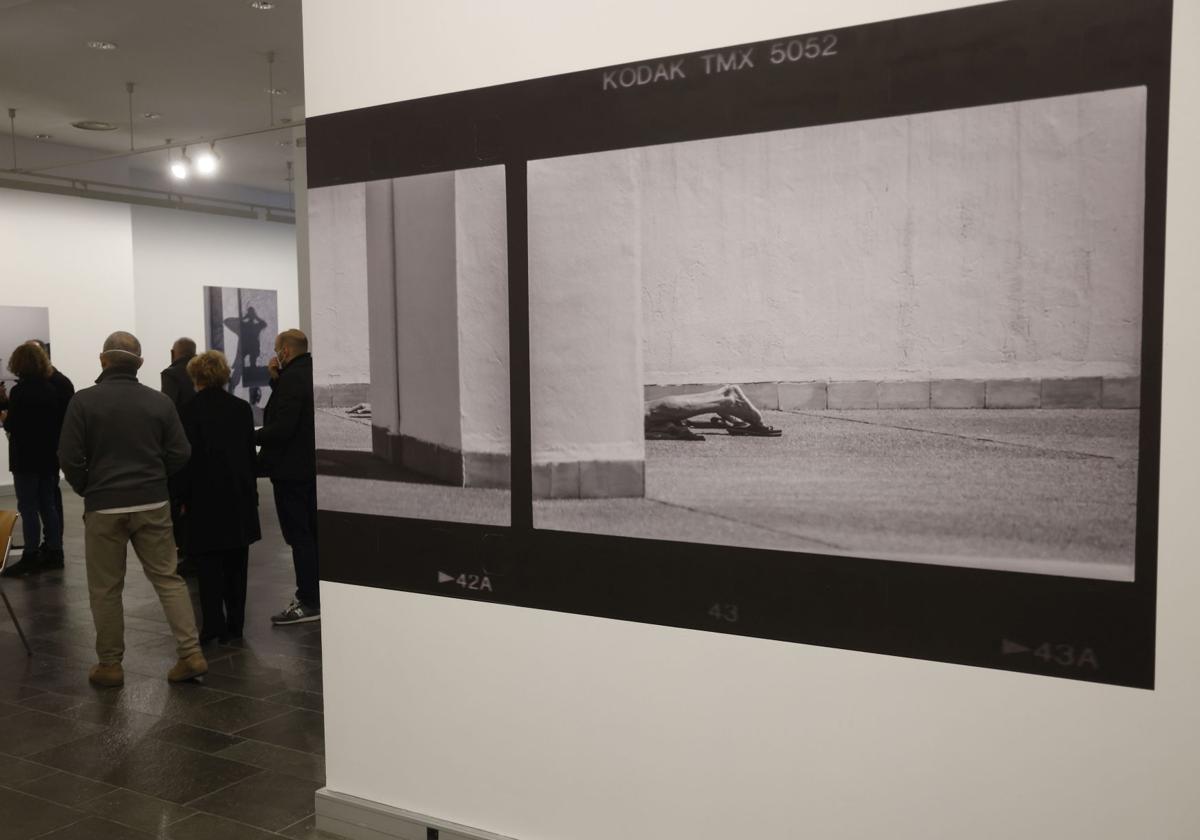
point(33, 422)
point(289, 458)
point(120, 441)
point(178, 386)
point(218, 494)
point(64, 389)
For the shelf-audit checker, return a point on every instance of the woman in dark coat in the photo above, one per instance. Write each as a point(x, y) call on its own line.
point(219, 495)
point(33, 422)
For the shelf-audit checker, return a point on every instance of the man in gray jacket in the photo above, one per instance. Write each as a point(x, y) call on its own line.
point(120, 441)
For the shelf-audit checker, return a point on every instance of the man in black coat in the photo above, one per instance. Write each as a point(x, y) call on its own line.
point(175, 381)
point(218, 493)
point(177, 385)
point(289, 458)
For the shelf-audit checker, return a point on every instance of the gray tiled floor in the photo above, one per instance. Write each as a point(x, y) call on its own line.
point(238, 756)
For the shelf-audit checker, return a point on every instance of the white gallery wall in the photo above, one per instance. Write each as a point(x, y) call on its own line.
point(101, 266)
point(176, 254)
point(74, 257)
point(547, 726)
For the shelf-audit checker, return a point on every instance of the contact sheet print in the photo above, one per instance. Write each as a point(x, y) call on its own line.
point(847, 338)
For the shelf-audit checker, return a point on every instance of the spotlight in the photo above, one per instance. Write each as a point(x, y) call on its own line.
point(208, 161)
point(180, 168)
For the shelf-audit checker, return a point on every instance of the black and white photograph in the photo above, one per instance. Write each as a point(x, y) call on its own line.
point(911, 338)
point(242, 324)
point(19, 324)
point(411, 312)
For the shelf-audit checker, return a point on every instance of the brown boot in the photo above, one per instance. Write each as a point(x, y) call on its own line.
point(107, 675)
point(188, 668)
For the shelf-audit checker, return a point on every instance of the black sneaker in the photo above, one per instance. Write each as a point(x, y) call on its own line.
point(29, 564)
point(297, 613)
point(52, 558)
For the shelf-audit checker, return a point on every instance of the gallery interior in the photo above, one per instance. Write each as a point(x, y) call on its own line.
point(919, 561)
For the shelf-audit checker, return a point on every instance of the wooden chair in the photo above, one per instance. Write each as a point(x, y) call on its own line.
point(8, 524)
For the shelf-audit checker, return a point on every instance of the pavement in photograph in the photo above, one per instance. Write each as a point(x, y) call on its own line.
point(1040, 490)
point(417, 499)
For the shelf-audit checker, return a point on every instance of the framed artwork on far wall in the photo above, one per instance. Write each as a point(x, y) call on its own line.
point(242, 324)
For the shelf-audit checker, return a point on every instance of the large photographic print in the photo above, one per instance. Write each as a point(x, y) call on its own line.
point(410, 286)
point(847, 338)
point(242, 324)
point(19, 324)
point(911, 338)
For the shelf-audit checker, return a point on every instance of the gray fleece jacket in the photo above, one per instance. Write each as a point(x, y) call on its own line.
point(120, 440)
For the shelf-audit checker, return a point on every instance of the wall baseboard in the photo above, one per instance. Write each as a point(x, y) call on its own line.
point(353, 818)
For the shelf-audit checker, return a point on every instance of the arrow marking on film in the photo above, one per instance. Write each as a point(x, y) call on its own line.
point(444, 578)
point(1007, 647)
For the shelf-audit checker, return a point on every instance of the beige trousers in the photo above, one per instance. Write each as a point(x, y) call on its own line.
point(106, 537)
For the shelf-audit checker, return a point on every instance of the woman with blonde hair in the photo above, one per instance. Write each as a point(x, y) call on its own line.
point(33, 423)
point(218, 492)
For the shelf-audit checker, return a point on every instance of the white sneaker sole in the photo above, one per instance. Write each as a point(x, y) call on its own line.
point(278, 622)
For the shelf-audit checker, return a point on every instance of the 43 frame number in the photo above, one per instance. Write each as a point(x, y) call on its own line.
point(727, 613)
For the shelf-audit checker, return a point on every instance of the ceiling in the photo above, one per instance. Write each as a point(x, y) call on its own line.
point(200, 64)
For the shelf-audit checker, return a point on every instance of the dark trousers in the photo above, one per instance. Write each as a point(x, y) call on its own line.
point(40, 519)
point(178, 523)
point(62, 519)
point(223, 591)
point(296, 504)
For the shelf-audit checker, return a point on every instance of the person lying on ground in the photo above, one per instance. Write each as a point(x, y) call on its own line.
point(667, 418)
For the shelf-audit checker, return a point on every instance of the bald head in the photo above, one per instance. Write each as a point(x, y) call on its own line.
point(183, 348)
point(121, 348)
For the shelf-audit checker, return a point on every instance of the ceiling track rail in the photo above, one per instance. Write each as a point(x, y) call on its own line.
point(145, 150)
point(144, 197)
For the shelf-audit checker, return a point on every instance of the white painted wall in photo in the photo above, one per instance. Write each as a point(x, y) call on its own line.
point(585, 309)
point(1002, 241)
point(427, 307)
point(75, 257)
point(338, 275)
point(176, 254)
point(481, 255)
point(383, 313)
point(542, 725)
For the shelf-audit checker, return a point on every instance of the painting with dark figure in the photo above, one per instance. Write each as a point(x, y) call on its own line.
point(236, 320)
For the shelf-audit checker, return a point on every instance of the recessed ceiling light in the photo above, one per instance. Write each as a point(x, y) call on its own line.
point(42, 136)
point(102, 45)
point(151, 115)
point(262, 5)
point(95, 125)
point(285, 143)
point(277, 91)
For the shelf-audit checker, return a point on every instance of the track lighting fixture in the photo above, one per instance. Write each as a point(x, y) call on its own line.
point(180, 169)
point(208, 162)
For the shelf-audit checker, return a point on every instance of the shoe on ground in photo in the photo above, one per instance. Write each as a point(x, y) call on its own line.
point(107, 675)
point(30, 564)
point(188, 668)
point(297, 613)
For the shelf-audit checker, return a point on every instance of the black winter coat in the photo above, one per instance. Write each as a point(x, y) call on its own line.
point(34, 423)
point(176, 383)
point(218, 488)
point(288, 434)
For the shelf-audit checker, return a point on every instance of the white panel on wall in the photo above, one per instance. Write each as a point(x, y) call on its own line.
point(543, 725)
